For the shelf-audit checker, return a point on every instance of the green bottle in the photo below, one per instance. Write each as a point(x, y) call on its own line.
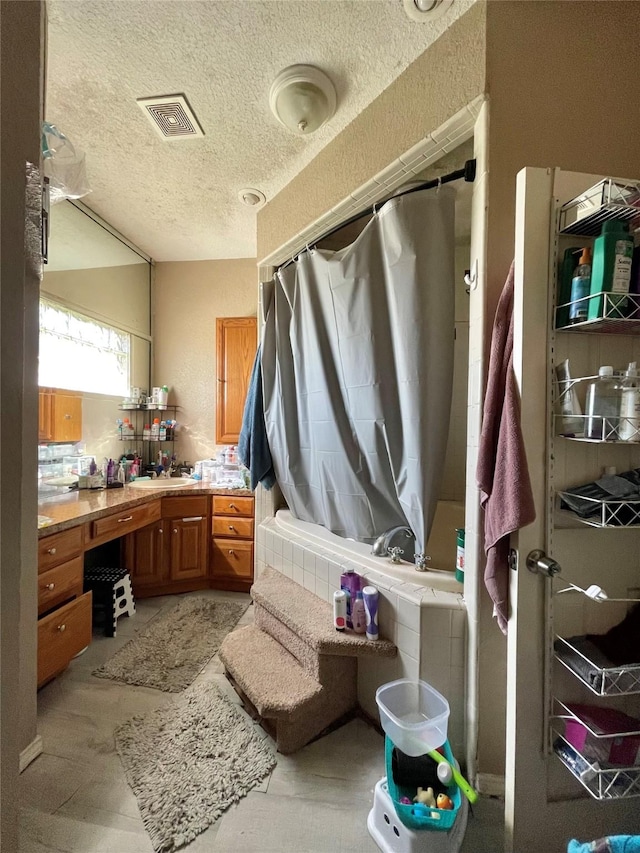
point(611, 271)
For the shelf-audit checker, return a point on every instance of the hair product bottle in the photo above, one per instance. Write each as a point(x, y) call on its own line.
point(370, 598)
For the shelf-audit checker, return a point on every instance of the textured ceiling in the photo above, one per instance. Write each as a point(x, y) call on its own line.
point(178, 200)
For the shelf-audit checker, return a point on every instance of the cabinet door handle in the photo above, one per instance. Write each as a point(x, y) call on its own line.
point(194, 518)
point(175, 529)
point(62, 627)
point(127, 518)
point(67, 417)
point(51, 551)
point(50, 586)
point(231, 551)
point(160, 530)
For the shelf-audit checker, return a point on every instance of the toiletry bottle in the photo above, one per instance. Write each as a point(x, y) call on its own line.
point(155, 430)
point(146, 432)
point(611, 271)
point(370, 598)
point(580, 288)
point(93, 468)
point(629, 429)
point(460, 554)
point(358, 616)
point(339, 610)
point(350, 583)
point(565, 277)
point(163, 431)
point(603, 406)
point(121, 476)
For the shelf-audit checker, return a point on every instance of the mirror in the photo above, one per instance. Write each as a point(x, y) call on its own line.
point(94, 273)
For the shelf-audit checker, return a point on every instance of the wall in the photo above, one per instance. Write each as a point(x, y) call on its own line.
point(21, 28)
point(188, 297)
point(443, 80)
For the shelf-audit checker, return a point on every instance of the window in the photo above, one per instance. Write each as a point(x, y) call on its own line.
point(81, 354)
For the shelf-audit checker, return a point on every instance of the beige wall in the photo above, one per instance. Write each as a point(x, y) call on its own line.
point(443, 80)
point(188, 297)
point(20, 51)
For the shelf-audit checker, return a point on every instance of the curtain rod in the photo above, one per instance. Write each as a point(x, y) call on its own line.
point(468, 172)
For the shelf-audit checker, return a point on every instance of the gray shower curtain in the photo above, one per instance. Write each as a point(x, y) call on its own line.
point(357, 364)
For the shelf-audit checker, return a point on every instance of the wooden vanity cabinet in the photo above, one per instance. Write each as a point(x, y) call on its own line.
point(64, 612)
point(232, 543)
point(171, 555)
point(59, 415)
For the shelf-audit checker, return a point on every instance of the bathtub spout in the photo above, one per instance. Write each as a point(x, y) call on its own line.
point(380, 547)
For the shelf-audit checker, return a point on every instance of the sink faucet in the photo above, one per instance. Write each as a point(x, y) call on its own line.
point(380, 547)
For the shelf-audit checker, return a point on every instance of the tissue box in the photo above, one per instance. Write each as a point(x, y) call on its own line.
point(611, 746)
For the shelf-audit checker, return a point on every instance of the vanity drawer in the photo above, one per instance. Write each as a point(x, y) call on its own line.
point(61, 635)
point(185, 506)
point(241, 528)
point(232, 559)
point(60, 583)
point(59, 547)
point(227, 505)
point(125, 521)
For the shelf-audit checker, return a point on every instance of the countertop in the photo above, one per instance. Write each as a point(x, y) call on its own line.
point(83, 505)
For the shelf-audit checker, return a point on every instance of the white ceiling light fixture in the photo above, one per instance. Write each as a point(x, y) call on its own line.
point(302, 98)
point(426, 11)
point(252, 197)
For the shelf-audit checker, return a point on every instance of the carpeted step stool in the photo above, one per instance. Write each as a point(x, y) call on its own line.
point(292, 666)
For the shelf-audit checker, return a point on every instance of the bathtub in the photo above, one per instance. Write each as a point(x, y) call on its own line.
point(423, 613)
point(441, 548)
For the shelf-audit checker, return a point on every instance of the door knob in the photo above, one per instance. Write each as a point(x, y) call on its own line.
point(539, 563)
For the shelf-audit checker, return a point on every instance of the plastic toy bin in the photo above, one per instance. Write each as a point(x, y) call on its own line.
point(413, 715)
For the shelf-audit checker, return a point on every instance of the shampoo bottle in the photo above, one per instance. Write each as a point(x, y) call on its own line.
point(581, 288)
point(350, 583)
point(611, 273)
point(629, 429)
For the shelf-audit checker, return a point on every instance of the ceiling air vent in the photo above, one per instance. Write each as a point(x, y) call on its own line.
point(171, 116)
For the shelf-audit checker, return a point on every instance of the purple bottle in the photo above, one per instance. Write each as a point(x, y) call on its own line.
point(350, 583)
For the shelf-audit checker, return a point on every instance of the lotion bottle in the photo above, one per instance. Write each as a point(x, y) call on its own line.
point(629, 429)
point(358, 616)
point(370, 598)
point(339, 610)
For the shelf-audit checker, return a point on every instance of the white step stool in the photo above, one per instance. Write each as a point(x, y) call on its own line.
point(111, 592)
point(392, 836)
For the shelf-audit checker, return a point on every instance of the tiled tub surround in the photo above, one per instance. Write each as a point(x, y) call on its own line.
point(427, 624)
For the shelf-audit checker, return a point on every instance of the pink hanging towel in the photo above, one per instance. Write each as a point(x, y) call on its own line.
point(502, 475)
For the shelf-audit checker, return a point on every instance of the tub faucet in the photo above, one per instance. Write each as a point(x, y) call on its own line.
point(380, 547)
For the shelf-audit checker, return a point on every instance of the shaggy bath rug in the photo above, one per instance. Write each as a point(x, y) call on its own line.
point(189, 761)
point(174, 647)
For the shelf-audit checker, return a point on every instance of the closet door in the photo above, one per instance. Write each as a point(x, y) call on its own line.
point(544, 805)
point(236, 349)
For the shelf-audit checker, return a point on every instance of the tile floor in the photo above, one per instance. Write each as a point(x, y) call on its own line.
point(76, 799)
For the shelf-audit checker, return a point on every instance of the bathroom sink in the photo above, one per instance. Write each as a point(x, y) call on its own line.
point(162, 483)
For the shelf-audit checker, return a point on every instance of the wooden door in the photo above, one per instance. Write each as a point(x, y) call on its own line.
point(236, 349)
point(145, 556)
point(45, 416)
point(188, 548)
point(544, 805)
point(67, 417)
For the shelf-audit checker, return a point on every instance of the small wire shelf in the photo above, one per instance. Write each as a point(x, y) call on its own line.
point(603, 681)
point(608, 512)
point(619, 314)
point(608, 199)
point(598, 429)
point(611, 783)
